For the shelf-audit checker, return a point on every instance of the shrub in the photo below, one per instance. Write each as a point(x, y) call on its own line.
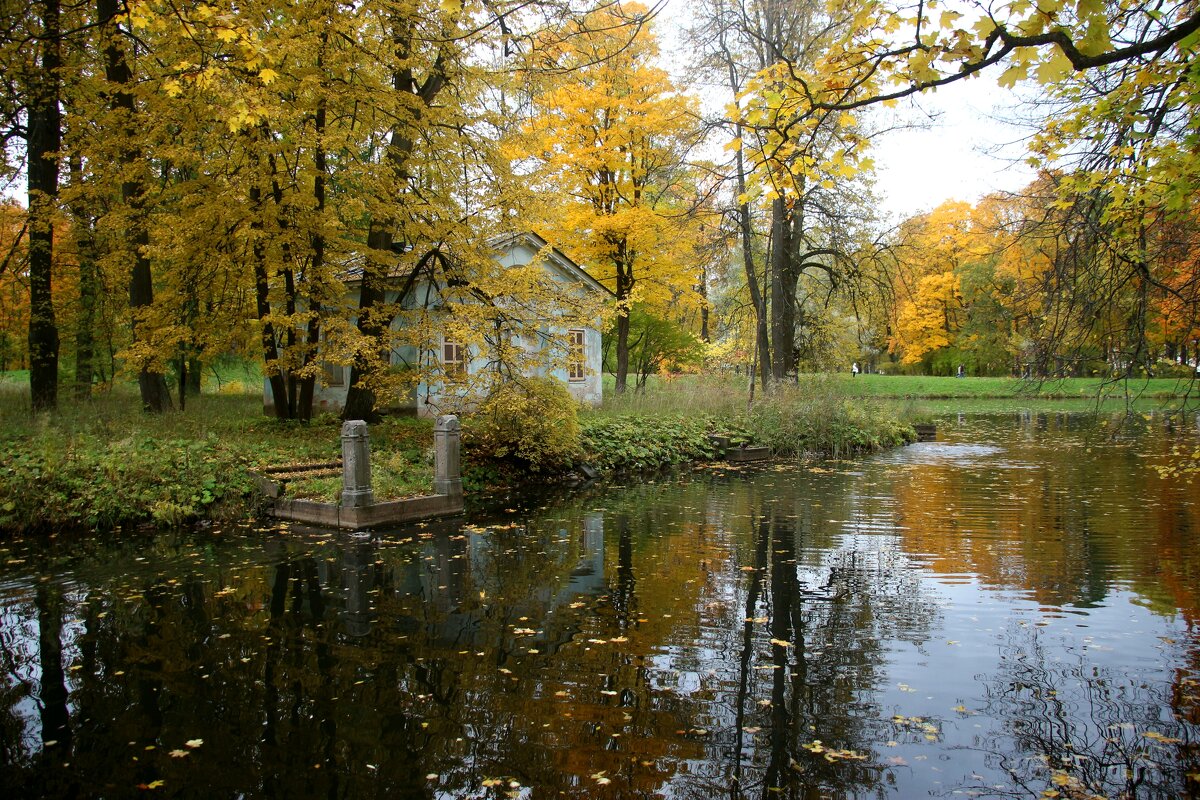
point(793, 424)
point(645, 442)
point(533, 420)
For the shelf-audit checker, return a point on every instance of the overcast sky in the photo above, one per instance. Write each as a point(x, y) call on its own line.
point(969, 143)
point(958, 143)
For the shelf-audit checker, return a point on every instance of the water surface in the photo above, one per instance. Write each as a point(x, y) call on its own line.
point(1008, 611)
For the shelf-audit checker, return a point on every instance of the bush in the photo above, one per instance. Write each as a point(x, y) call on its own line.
point(794, 424)
point(645, 442)
point(533, 420)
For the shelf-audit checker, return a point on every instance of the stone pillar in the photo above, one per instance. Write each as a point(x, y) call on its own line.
point(356, 465)
point(447, 474)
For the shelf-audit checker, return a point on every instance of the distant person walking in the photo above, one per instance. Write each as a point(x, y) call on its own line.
point(854, 369)
point(962, 373)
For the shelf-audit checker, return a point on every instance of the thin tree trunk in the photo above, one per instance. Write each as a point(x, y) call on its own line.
point(85, 248)
point(622, 376)
point(780, 250)
point(360, 397)
point(317, 244)
point(262, 296)
point(155, 395)
point(43, 139)
point(624, 291)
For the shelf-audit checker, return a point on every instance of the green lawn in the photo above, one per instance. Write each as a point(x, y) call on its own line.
point(726, 390)
point(919, 386)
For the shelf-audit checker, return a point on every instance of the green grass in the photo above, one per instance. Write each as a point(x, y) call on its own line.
point(812, 417)
point(918, 386)
point(103, 462)
point(726, 393)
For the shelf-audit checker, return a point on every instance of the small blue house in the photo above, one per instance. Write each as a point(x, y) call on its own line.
point(451, 363)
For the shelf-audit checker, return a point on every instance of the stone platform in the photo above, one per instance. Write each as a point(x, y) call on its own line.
point(358, 509)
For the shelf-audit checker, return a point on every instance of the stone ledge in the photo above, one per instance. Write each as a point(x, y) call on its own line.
point(743, 454)
point(377, 515)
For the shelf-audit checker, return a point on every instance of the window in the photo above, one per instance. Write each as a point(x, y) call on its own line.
point(332, 374)
point(576, 356)
point(335, 374)
point(454, 359)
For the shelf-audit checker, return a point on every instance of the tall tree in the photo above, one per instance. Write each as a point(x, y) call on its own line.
point(793, 170)
point(126, 124)
point(612, 142)
point(43, 137)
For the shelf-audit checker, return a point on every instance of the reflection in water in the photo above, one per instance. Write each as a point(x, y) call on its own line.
point(1006, 612)
point(1090, 730)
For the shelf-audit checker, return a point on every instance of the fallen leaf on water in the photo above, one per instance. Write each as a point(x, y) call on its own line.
point(193, 743)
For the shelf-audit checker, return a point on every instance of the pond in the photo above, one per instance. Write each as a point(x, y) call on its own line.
point(1010, 611)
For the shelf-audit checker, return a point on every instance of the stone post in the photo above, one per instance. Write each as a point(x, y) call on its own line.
point(356, 465)
point(447, 475)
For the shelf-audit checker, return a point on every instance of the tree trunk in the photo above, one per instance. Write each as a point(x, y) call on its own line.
point(622, 375)
point(43, 139)
point(262, 297)
point(85, 248)
point(360, 397)
point(781, 340)
point(762, 343)
point(152, 384)
point(317, 246)
point(787, 245)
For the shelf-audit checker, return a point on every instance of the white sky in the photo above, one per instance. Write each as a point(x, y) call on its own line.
point(958, 143)
point(969, 143)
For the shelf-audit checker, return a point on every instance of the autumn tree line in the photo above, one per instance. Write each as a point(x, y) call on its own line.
point(203, 179)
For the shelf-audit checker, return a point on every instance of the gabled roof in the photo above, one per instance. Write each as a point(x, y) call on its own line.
point(352, 267)
point(560, 259)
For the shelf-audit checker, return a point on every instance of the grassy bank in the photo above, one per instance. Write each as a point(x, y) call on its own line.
point(102, 463)
point(671, 420)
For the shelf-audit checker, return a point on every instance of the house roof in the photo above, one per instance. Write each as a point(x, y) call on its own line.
point(353, 266)
point(537, 243)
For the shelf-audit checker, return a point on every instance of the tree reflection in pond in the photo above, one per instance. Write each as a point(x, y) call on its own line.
point(1073, 727)
point(901, 626)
